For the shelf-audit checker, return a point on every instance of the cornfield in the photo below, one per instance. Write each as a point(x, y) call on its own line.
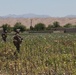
point(40, 54)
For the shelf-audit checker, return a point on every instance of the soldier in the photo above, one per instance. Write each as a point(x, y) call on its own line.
point(17, 40)
point(4, 35)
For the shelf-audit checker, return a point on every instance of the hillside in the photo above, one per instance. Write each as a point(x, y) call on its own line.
point(46, 21)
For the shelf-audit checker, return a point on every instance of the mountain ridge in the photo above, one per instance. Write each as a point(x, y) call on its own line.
point(70, 16)
point(30, 15)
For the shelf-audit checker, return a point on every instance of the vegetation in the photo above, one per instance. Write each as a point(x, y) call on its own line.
point(39, 26)
point(18, 25)
point(68, 25)
point(49, 27)
point(41, 54)
point(7, 27)
point(31, 28)
point(56, 24)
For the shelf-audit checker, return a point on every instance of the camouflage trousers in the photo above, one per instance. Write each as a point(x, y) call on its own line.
point(18, 47)
point(4, 39)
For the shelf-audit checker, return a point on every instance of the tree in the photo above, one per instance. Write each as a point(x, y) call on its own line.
point(74, 26)
point(31, 28)
point(49, 27)
point(68, 25)
point(6, 27)
point(18, 25)
point(56, 24)
point(39, 26)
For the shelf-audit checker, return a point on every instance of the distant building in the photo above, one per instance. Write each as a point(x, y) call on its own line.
point(65, 30)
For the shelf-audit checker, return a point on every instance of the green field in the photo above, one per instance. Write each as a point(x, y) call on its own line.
point(40, 54)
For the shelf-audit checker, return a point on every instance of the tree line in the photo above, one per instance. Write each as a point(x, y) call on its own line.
point(37, 27)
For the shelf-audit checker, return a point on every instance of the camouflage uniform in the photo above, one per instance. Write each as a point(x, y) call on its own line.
point(17, 40)
point(4, 35)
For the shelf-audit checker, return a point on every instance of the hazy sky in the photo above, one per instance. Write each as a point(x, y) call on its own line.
point(54, 8)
